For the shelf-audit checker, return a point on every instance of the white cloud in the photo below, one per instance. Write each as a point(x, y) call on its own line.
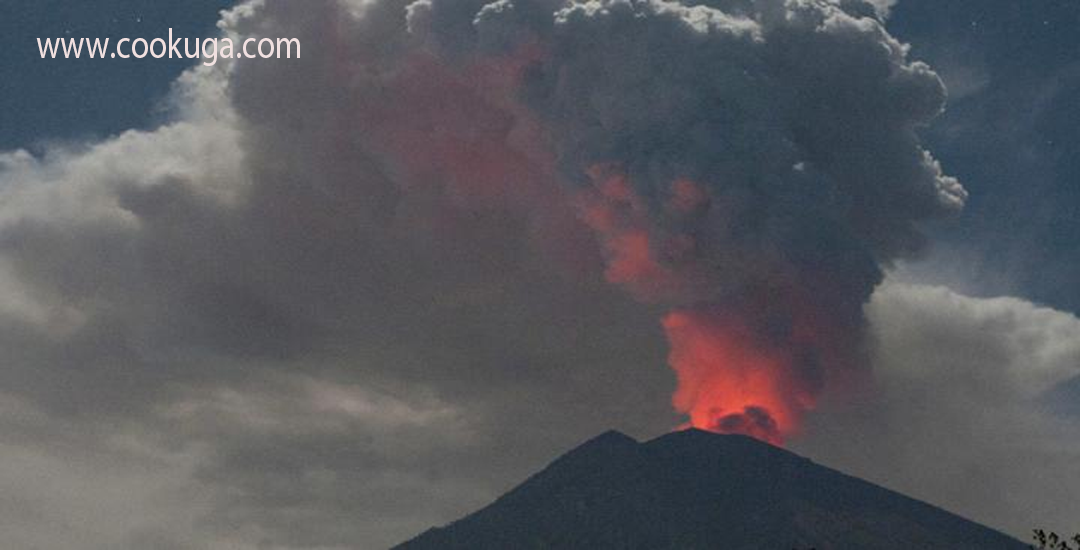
point(955, 412)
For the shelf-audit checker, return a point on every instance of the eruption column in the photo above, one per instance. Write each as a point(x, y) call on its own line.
point(747, 166)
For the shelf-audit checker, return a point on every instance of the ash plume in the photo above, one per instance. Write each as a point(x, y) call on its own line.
point(741, 168)
point(748, 165)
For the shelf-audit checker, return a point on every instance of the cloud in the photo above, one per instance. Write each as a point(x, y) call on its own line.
point(883, 7)
point(330, 346)
point(74, 485)
point(957, 413)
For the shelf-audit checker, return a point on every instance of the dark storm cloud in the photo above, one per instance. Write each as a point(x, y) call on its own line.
point(303, 315)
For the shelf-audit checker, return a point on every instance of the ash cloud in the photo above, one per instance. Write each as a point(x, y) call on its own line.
point(793, 123)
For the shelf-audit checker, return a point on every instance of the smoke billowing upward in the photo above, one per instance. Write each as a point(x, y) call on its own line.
point(440, 169)
point(747, 165)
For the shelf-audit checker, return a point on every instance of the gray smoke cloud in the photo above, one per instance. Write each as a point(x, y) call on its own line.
point(340, 299)
point(739, 155)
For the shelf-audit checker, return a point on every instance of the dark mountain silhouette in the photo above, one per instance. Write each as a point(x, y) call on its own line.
point(697, 490)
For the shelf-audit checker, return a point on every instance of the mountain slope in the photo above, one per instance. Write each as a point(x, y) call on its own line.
point(698, 490)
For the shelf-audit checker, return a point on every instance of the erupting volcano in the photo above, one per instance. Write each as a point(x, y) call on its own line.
point(718, 157)
point(728, 386)
point(730, 379)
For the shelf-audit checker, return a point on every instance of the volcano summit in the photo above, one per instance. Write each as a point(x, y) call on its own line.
point(699, 490)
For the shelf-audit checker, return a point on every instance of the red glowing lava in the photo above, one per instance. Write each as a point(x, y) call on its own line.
point(727, 383)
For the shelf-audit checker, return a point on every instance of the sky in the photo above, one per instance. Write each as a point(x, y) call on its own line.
point(1010, 133)
point(83, 100)
point(330, 302)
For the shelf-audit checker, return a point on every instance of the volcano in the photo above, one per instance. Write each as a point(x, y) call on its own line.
point(693, 490)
